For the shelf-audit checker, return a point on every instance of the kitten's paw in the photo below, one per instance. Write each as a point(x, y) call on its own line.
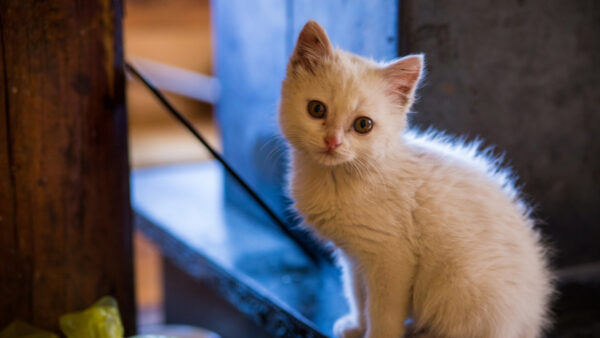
point(346, 327)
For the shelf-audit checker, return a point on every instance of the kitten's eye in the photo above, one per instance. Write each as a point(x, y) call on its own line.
point(317, 109)
point(363, 125)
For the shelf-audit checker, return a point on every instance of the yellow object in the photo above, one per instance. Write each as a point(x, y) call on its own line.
point(101, 320)
point(19, 329)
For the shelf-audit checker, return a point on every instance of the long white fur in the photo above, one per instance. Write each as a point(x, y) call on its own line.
point(427, 227)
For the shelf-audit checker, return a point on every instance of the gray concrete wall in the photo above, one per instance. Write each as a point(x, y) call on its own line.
point(525, 76)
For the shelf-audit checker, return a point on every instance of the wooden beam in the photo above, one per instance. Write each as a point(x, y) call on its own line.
point(65, 220)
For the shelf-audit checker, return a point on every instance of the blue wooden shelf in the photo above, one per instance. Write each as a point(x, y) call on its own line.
point(248, 261)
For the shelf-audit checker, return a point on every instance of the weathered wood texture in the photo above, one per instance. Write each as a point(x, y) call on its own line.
point(524, 76)
point(65, 220)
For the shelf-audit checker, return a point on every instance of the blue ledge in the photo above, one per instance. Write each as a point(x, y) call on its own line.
point(250, 263)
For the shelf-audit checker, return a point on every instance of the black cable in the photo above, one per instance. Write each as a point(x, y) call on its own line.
point(221, 160)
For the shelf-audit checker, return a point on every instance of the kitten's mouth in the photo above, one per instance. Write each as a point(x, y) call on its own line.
point(330, 153)
point(330, 157)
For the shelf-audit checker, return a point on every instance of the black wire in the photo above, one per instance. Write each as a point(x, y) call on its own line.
point(219, 158)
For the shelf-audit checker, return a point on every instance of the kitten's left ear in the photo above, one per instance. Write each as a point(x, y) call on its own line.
point(403, 77)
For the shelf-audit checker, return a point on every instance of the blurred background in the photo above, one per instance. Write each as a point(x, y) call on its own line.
point(176, 33)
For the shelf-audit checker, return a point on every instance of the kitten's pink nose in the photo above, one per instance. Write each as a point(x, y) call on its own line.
point(332, 142)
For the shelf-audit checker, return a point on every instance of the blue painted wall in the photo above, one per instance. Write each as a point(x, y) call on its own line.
point(253, 41)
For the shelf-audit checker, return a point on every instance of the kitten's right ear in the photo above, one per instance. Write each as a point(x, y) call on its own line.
point(313, 45)
point(403, 77)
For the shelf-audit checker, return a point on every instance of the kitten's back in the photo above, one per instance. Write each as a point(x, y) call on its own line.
point(470, 156)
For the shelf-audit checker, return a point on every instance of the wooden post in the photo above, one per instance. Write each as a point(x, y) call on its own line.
point(65, 219)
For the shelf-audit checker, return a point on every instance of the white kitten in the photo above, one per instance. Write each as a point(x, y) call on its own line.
point(426, 228)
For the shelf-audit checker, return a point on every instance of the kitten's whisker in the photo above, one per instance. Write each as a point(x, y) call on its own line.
point(377, 174)
point(270, 140)
point(275, 153)
point(273, 156)
point(277, 149)
point(352, 168)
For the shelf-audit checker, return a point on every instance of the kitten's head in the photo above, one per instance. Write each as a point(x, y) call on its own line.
point(337, 107)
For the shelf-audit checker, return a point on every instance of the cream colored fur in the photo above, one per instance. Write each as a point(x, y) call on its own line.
point(426, 227)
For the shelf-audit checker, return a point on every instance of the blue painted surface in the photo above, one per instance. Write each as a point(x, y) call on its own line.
point(250, 63)
point(367, 28)
point(253, 42)
point(184, 203)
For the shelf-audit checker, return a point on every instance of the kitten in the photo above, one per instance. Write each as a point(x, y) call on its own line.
point(426, 227)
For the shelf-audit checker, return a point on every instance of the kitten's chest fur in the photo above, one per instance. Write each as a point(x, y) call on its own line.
point(344, 207)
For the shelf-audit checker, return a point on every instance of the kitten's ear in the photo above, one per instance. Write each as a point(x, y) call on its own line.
point(313, 45)
point(403, 77)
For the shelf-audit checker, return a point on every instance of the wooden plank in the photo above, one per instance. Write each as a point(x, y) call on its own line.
point(264, 310)
point(178, 80)
point(65, 234)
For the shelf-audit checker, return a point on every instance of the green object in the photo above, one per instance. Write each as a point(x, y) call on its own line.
point(101, 320)
point(19, 329)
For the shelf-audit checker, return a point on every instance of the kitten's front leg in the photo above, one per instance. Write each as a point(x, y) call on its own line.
point(354, 323)
point(388, 285)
